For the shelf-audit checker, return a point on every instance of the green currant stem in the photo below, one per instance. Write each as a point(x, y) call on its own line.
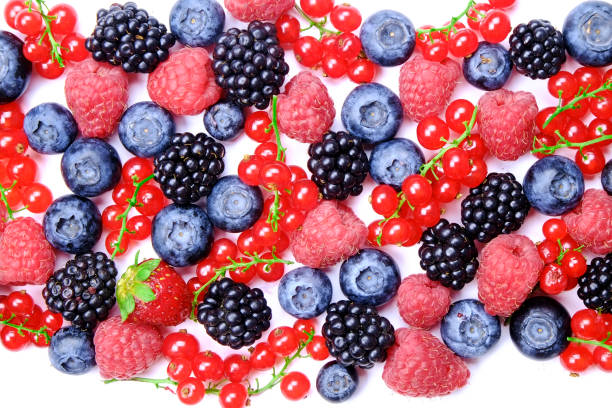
point(563, 142)
point(450, 26)
point(601, 343)
point(222, 271)
point(320, 25)
point(9, 210)
point(278, 376)
point(21, 328)
point(582, 94)
point(400, 205)
point(565, 251)
point(280, 150)
point(132, 202)
point(56, 48)
point(274, 215)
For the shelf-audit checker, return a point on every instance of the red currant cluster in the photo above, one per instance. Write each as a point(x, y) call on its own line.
point(24, 322)
point(591, 343)
point(137, 189)
point(584, 91)
point(50, 37)
point(487, 18)
point(338, 53)
point(459, 162)
point(561, 254)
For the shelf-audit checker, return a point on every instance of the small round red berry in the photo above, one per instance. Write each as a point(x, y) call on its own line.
point(590, 160)
point(233, 395)
point(305, 195)
point(476, 14)
point(445, 189)
point(603, 358)
point(495, 27)
point(463, 42)
point(292, 220)
point(576, 358)
point(417, 189)
point(179, 369)
point(52, 321)
point(275, 175)
point(549, 250)
point(28, 22)
point(249, 169)
point(236, 367)
point(64, 18)
point(190, 391)
point(295, 386)
point(427, 215)
point(136, 169)
point(223, 250)
point(576, 131)
point(180, 344)
point(317, 8)
point(20, 303)
point(563, 85)
point(122, 193)
point(552, 279)
point(49, 69)
point(308, 51)
point(501, 3)
point(140, 227)
point(287, 29)
point(588, 78)
point(374, 232)
point(317, 348)
point(247, 244)
point(345, 18)
point(361, 71)
point(334, 66)
point(458, 113)
point(601, 106)
point(435, 51)
point(242, 274)
point(35, 50)
point(384, 200)
point(283, 340)
point(432, 133)
point(12, 339)
point(302, 327)
point(11, 9)
point(73, 47)
point(258, 126)
point(399, 231)
point(478, 172)
point(598, 128)
point(587, 324)
point(37, 197)
point(456, 163)
point(554, 229)
point(207, 366)
point(152, 200)
point(349, 46)
point(11, 117)
point(262, 357)
point(109, 217)
point(23, 169)
point(574, 264)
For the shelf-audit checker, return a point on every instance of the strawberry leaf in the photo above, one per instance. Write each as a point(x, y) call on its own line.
point(143, 292)
point(144, 270)
point(126, 305)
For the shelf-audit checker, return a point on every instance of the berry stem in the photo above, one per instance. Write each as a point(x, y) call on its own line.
point(132, 202)
point(564, 252)
point(280, 150)
point(446, 30)
point(274, 215)
point(164, 384)
point(21, 328)
point(9, 210)
point(319, 25)
point(395, 214)
point(582, 94)
point(56, 48)
point(563, 142)
point(601, 343)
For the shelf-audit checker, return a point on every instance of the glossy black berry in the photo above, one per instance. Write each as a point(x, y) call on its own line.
point(595, 286)
point(83, 291)
point(189, 168)
point(338, 165)
point(357, 335)
point(234, 314)
point(497, 206)
point(537, 49)
point(250, 64)
point(448, 255)
point(127, 36)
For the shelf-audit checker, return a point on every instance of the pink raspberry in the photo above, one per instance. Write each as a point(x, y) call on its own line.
point(330, 233)
point(589, 223)
point(249, 10)
point(509, 269)
point(27, 257)
point(305, 110)
point(506, 121)
point(184, 83)
point(419, 365)
point(124, 350)
point(97, 94)
point(426, 86)
point(422, 302)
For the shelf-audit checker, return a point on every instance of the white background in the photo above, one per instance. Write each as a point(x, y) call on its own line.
point(502, 376)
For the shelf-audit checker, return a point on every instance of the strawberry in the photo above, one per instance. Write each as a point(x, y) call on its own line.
point(153, 292)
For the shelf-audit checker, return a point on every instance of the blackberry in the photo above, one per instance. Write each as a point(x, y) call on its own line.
point(497, 206)
point(338, 165)
point(189, 167)
point(448, 255)
point(234, 314)
point(357, 335)
point(126, 35)
point(537, 49)
point(250, 64)
point(595, 286)
point(83, 291)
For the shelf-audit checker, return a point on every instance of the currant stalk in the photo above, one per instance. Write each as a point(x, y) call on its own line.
point(563, 252)
point(319, 25)
point(582, 94)
point(563, 142)
point(601, 343)
point(275, 215)
point(56, 48)
point(9, 210)
point(447, 29)
point(21, 328)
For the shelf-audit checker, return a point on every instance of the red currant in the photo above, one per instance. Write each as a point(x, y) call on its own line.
point(458, 113)
point(12, 8)
point(65, 18)
point(417, 189)
point(302, 327)
point(257, 126)
point(432, 133)
point(262, 357)
point(427, 215)
point(109, 217)
point(207, 366)
point(12, 339)
point(361, 71)
point(384, 200)
point(136, 169)
point(37, 197)
point(587, 324)
point(73, 47)
point(349, 46)
point(122, 193)
point(308, 51)
point(603, 358)
point(52, 321)
point(242, 274)
point(435, 51)
point(398, 231)
point(297, 173)
point(112, 239)
point(553, 280)
point(193, 285)
point(305, 195)
point(575, 131)
point(463, 42)
point(206, 270)
point(223, 250)
point(20, 303)
point(495, 27)
point(190, 391)
point(374, 231)
point(11, 117)
point(283, 340)
point(456, 163)
point(292, 220)
point(236, 367)
point(563, 85)
point(249, 169)
point(49, 69)
point(591, 160)
point(35, 50)
point(317, 348)
point(317, 8)
point(333, 65)
point(445, 189)
point(548, 250)
point(152, 200)
point(264, 233)
point(474, 146)
point(287, 29)
point(28, 22)
point(179, 369)
point(233, 395)
point(554, 229)
point(295, 386)
point(476, 14)
point(247, 244)
point(601, 106)
point(598, 128)
point(23, 169)
point(574, 264)
point(501, 3)
point(270, 272)
point(275, 175)
point(588, 78)
point(478, 172)
point(568, 243)
point(345, 18)
point(576, 358)
point(140, 227)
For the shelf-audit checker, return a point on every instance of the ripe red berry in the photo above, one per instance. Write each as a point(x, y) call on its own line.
point(37, 197)
point(501, 3)
point(223, 250)
point(249, 169)
point(575, 131)
point(588, 78)
point(475, 15)
point(264, 233)
point(136, 169)
point(242, 274)
point(456, 163)
point(140, 227)
point(308, 51)
point(576, 358)
point(123, 192)
point(207, 366)
point(23, 169)
point(65, 18)
point(384, 200)
point(349, 46)
point(267, 151)
point(601, 106)
point(445, 189)
point(317, 348)
point(287, 29)
point(190, 391)
point(283, 340)
point(552, 279)
point(374, 231)
point(152, 200)
point(49, 69)
point(345, 18)
point(495, 27)
point(432, 133)
point(427, 215)
point(417, 189)
point(53, 321)
point(295, 386)
point(317, 8)
point(247, 244)
point(305, 195)
point(334, 66)
point(112, 239)
point(303, 326)
point(400, 231)
point(554, 229)
point(587, 324)
point(591, 160)
point(180, 344)
point(548, 250)
point(598, 128)
point(563, 85)
point(73, 47)
point(179, 369)
point(28, 22)
point(258, 127)
point(20, 303)
point(574, 264)
point(233, 395)
point(478, 172)
point(457, 113)
point(270, 272)
point(275, 175)
point(292, 220)
point(109, 217)
point(361, 71)
point(236, 367)
point(463, 42)
point(11, 9)
point(262, 357)
point(11, 117)
point(35, 50)
point(474, 146)
point(435, 51)
point(12, 339)
point(206, 270)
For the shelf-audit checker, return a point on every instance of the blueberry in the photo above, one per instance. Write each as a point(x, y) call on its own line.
point(224, 120)
point(305, 292)
point(372, 113)
point(73, 224)
point(91, 167)
point(489, 67)
point(391, 162)
point(388, 38)
point(50, 128)
point(336, 383)
point(182, 234)
point(15, 69)
point(197, 23)
point(554, 185)
point(146, 129)
point(606, 177)
point(71, 351)
point(370, 277)
point(588, 33)
point(234, 206)
point(468, 330)
point(540, 328)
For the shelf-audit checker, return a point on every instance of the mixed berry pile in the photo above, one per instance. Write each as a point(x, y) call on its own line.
point(219, 236)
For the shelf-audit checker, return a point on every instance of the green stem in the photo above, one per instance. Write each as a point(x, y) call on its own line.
point(9, 210)
point(564, 252)
point(274, 215)
point(450, 26)
point(280, 150)
point(563, 142)
point(601, 343)
point(132, 202)
point(56, 48)
point(319, 25)
point(21, 328)
point(582, 94)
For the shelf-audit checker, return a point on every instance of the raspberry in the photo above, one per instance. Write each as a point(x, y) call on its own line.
point(426, 86)
point(97, 95)
point(185, 83)
point(422, 302)
point(589, 223)
point(330, 233)
point(27, 257)
point(305, 110)
point(249, 10)
point(419, 365)
point(124, 350)
point(506, 121)
point(509, 269)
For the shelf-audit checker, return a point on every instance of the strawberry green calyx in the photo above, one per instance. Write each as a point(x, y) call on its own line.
point(43, 10)
point(132, 286)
